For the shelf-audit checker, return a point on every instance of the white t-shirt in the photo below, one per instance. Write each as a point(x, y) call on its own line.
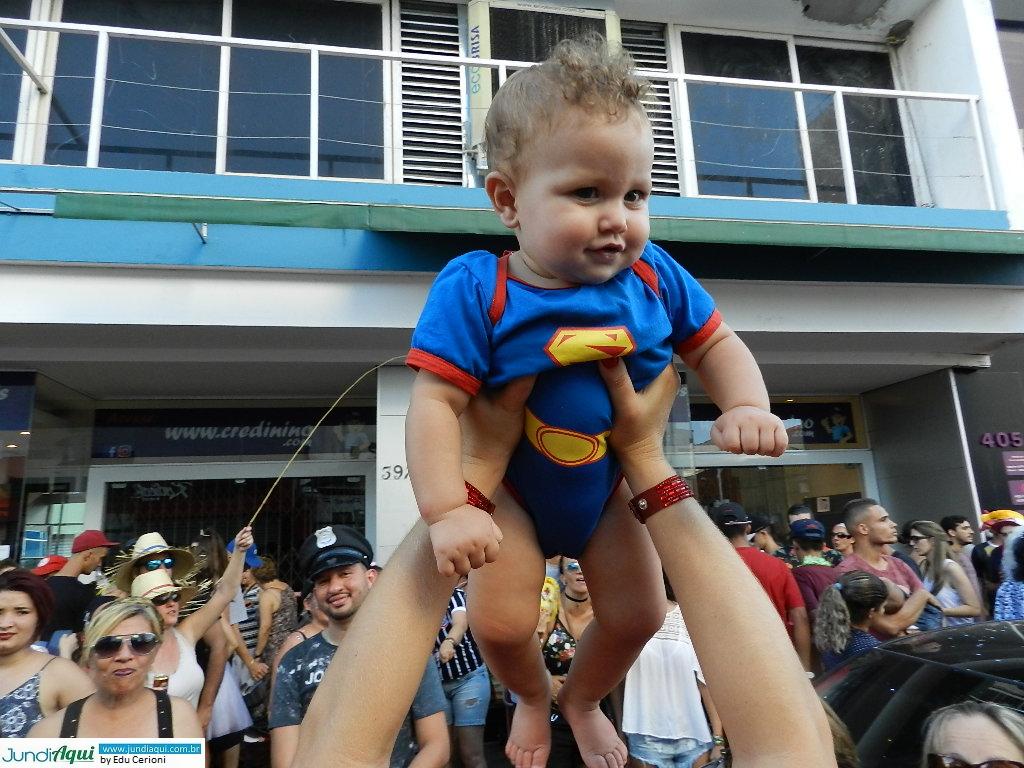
point(661, 697)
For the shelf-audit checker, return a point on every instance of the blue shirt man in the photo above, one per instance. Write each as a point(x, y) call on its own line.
point(336, 560)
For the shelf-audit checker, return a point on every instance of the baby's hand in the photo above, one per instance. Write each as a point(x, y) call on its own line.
point(463, 539)
point(750, 430)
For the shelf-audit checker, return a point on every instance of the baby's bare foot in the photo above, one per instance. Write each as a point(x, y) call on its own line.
point(529, 740)
point(599, 744)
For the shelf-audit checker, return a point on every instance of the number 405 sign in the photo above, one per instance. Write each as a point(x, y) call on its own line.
point(1003, 439)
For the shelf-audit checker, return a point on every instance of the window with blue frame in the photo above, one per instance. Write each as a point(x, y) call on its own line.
point(269, 111)
point(10, 76)
point(160, 100)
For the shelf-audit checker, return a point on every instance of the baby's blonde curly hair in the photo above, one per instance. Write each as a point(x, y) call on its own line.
point(584, 73)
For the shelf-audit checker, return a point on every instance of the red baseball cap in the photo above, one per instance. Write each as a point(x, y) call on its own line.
point(49, 564)
point(90, 540)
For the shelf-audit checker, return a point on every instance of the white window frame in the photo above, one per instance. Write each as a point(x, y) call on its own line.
point(690, 187)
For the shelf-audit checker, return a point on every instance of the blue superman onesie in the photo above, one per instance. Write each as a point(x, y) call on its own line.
point(482, 328)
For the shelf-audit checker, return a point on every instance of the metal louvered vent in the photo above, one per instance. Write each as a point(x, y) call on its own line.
point(432, 114)
point(646, 42)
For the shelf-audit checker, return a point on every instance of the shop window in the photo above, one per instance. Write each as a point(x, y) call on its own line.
point(746, 140)
point(269, 112)
point(160, 106)
point(877, 144)
point(10, 76)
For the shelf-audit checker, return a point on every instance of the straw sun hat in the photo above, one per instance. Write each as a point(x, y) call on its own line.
point(148, 546)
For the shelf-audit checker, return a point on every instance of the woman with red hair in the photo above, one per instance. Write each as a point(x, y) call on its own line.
point(34, 684)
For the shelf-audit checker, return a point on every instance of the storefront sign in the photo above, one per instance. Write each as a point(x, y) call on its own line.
point(17, 393)
point(810, 424)
point(1014, 462)
point(993, 414)
point(1016, 492)
point(124, 434)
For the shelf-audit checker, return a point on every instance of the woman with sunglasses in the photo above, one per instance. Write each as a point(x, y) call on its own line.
point(842, 541)
point(32, 684)
point(118, 650)
point(558, 646)
point(943, 577)
point(974, 734)
point(175, 664)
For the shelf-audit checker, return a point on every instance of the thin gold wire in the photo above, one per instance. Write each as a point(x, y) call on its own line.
point(316, 426)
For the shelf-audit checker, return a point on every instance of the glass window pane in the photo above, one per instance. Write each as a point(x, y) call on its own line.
point(68, 134)
point(746, 140)
point(201, 17)
point(268, 118)
point(10, 76)
point(160, 110)
point(351, 118)
point(67, 138)
point(877, 143)
point(320, 22)
point(532, 35)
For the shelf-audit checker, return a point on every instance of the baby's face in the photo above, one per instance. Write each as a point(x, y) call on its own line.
point(581, 198)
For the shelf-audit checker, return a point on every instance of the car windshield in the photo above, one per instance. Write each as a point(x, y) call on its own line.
point(884, 698)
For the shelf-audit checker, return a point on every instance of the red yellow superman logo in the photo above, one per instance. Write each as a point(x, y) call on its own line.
point(580, 345)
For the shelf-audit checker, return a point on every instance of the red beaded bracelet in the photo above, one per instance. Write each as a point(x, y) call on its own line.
point(478, 500)
point(666, 493)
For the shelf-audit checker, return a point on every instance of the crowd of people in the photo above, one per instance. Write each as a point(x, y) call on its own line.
point(207, 641)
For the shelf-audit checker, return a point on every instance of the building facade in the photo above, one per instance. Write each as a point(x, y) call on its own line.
point(215, 216)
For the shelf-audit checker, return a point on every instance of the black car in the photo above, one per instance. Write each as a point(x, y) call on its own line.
point(885, 695)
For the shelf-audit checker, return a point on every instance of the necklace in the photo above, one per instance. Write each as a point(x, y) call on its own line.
point(575, 599)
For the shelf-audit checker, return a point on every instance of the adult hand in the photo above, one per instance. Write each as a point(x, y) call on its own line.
point(243, 540)
point(204, 712)
point(557, 681)
point(640, 417)
point(492, 425)
point(258, 670)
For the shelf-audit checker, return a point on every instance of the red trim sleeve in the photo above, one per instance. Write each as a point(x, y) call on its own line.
point(417, 359)
point(497, 308)
point(646, 273)
point(705, 332)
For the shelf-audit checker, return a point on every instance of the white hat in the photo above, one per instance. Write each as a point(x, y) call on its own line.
point(155, 583)
point(149, 545)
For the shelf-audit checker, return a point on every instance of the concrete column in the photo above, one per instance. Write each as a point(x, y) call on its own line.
point(396, 506)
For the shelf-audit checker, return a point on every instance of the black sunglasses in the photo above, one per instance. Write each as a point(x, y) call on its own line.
point(166, 597)
point(946, 761)
point(165, 562)
point(915, 539)
point(142, 644)
point(841, 536)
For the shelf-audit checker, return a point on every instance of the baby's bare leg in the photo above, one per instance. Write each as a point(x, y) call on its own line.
point(503, 601)
point(623, 575)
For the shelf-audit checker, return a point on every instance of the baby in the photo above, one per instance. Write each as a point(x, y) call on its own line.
point(572, 152)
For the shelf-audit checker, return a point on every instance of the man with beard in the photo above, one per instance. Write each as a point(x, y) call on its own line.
point(336, 560)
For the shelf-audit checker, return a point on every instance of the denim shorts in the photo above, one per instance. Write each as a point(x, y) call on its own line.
point(666, 753)
point(468, 698)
